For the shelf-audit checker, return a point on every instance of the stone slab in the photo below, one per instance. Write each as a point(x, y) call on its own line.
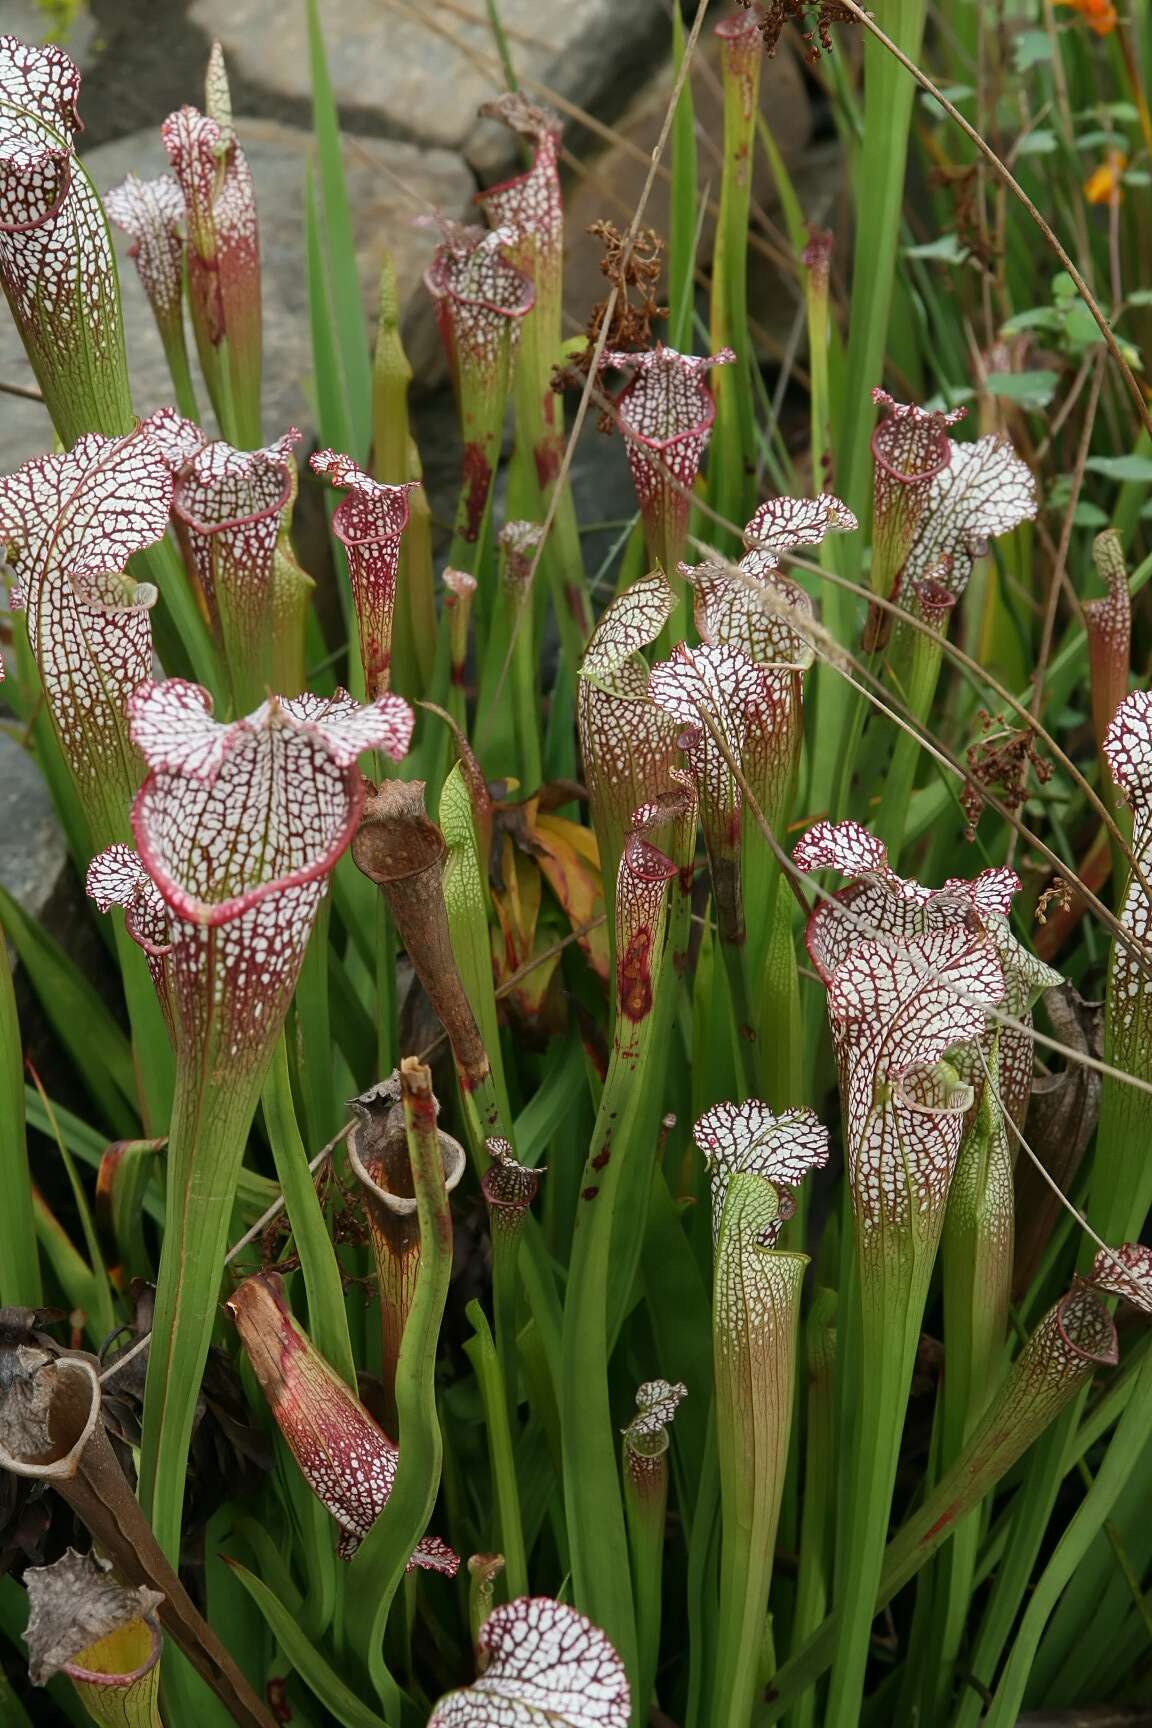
point(388, 183)
point(79, 37)
point(32, 850)
point(422, 68)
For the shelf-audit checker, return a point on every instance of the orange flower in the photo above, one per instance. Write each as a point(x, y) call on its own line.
point(1103, 184)
point(1099, 15)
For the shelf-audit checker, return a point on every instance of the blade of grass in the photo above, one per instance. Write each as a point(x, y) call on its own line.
point(99, 1307)
point(682, 211)
point(19, 1267)
point(78, 1017)
point(327, 1318)
point(353, 372)
point(317, 1673)
point(481, 1352)
point(1124, 1450)
point(377, 1569)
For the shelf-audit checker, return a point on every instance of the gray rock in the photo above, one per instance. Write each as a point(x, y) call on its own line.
point(80, 37)
point(423, 69)
point(32, 850)
point(388, 184)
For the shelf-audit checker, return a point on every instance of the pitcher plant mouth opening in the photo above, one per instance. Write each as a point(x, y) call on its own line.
point(189, 779)
point(910, 444)
point(269, 505)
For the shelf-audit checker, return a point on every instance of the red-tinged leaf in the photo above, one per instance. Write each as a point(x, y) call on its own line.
point(910, 444)
point(665, 412)
point(1085, 1333)
point(669, 819)
point(56, 262)
point(530, 202)
point(292, 761)
point(223, 241)
point(519, 542)
point(232, 504)
point(646, 1442)
point(177, 439)
point(151, 212)
point(983, 490)
point(370, 523)
point(747, 1139)
point(461, 585)
point(742, 43)
point(542, 1663)
point(1128, 751)
point(627, 743)
point(1108, 623)
point(528, 210)
point(479, 296)
point(641, 884)
point(232, 508)
point(479, 300)
point(844, 846)
point(570, 864)
point(516, 898)
point(896, 1011)
point(910, 447)
point(1126, 1271)
point(529, 206)
point(1128, 747)
point(750, 607)
point(346, 1459)
point(116, 877)
point(767, 617)
point(72, 522)
point(40, 86)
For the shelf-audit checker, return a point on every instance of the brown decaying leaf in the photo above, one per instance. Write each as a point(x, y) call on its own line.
point(398, 847)
point(51, 1430)
point(73, 1604)
point(378, 1154)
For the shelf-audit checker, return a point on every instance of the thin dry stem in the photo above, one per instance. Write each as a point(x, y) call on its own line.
point(1018, 192)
